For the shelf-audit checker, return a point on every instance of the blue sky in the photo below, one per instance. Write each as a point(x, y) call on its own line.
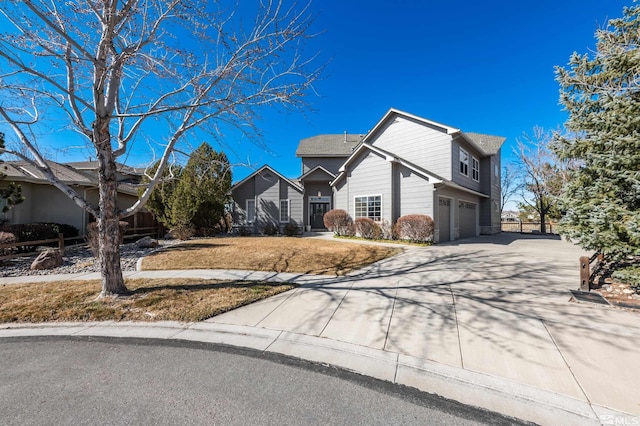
point(483, 67)
point(480, 66)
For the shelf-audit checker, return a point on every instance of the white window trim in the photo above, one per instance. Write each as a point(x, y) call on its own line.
point(465, 163)
point(355, 216)
point(475, 170)
point(288, 211)
point(255, 213)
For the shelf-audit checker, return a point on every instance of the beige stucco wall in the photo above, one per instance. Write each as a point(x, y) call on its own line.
point(45, 203)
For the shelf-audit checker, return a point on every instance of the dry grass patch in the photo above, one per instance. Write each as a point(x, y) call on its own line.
point(150, 300)
point(273, 254)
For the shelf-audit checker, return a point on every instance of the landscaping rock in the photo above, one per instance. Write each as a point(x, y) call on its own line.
point(147, 242)
point(49, 259)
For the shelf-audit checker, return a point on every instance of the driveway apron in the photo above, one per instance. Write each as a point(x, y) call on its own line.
point(497, 305)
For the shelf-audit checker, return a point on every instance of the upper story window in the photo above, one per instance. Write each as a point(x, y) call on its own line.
point(284, 211)
point(464, 162)
point(251, 211)
point(369, 206)
point(475, 169)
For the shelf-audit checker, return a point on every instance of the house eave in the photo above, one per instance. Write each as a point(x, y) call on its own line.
point(450, 184)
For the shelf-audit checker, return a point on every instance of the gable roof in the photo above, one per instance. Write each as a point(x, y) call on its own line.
point(315, 169)
point(489, 144)
point(23, 171)
point(94, 164)
point(388, 157)
point(334, 145)
point(485, 144)
point(396, 112)
point(272, 170)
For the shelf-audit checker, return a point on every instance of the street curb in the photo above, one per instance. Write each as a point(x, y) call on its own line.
point(468, 387)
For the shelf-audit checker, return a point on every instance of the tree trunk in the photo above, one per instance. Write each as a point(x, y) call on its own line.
point(543, 223)
point(109, 228)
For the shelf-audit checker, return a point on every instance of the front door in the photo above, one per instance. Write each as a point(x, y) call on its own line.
point(317, 211)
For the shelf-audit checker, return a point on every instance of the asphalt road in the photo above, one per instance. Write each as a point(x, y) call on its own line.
point(131, 381)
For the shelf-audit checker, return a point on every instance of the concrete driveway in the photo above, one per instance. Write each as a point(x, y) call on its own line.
point(496, 305)
point(486, 321)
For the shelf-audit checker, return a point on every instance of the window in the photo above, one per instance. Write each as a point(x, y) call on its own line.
point(251, 211)
point(369, 206)
point(284, 211)
point(475, 169)
point(464, 162)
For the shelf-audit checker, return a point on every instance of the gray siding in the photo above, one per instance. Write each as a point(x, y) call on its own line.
point(330, 163)
point(370, 174)
point(341, 195)
point(491, 185)
point(240, 195)
point(267, 189)
point(459, 178)
point(414, 194)
point(295, 202)
point(268, 200)
point(424, 146)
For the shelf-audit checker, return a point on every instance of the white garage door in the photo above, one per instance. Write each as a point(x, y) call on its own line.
point(467, 212)
point(444, 219)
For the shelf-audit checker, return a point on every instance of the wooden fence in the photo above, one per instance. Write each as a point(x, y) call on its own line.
point(528, 227)
point(59, 240)
point(133, 233)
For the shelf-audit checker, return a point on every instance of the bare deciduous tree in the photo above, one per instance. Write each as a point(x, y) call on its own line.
point(542, 174)
point(119, 71)
point(510, 185)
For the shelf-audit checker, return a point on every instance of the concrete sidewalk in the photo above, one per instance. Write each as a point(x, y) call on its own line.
point(487, 322)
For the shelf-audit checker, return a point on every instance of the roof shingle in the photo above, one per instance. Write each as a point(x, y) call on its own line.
point(334, 145)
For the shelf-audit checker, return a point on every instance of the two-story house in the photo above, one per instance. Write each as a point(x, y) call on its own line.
point(404, 165)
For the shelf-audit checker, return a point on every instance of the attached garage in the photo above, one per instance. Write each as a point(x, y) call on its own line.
point(467, 214)
point(444, 219)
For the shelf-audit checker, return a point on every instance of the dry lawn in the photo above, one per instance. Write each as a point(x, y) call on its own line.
point(272, 254)
point(150, 300)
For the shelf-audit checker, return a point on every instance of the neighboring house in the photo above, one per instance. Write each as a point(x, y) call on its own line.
point(510, 216)
point(404, 165)
point(45, 203)
point(266, 198)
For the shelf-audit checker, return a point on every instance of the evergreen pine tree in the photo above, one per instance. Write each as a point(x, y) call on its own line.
point(203, 190)
point(601, 93)
point(160, 201)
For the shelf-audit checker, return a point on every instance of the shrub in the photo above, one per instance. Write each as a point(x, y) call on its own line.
point(93, 235)
point(629, 275)
point(7, 238)
point(244, 231)
point(367, 228)
point(183, 231)
point(270, 229)
point(414, 227)
point(386, 228)
point(38, 231)
point(291, 230)
point(338, 221)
